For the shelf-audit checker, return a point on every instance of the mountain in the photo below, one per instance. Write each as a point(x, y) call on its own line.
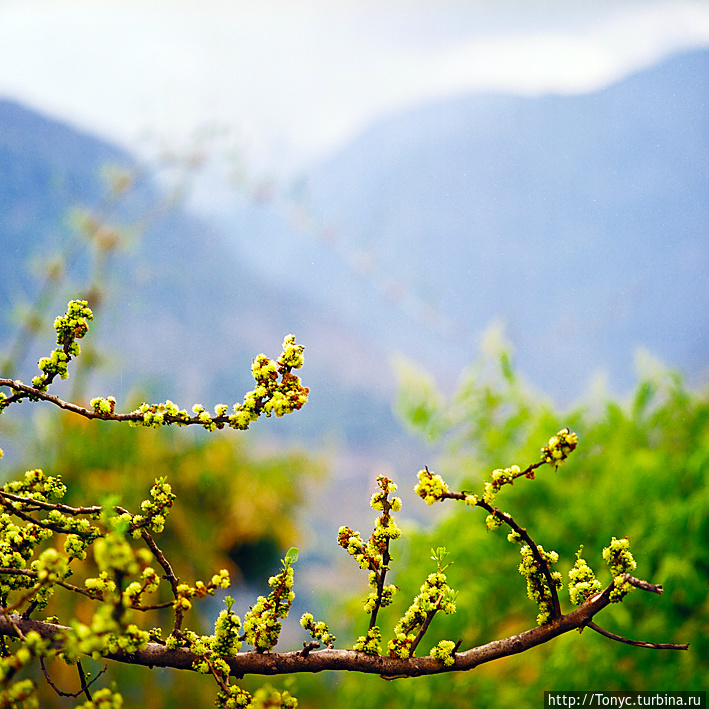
point(182, 316)
point(580, 222)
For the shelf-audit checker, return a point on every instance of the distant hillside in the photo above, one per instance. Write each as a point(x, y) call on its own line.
point(579, 221)
point(186, 314)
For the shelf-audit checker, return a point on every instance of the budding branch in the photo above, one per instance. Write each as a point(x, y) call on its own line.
point(278, 663)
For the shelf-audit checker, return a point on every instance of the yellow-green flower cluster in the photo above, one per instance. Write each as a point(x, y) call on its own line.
point(269, 698)
point(226, 632)
point(498, 478)
point(620, 560)
point(51, 566)
point(366, 555)
point(493, 522)
point(435, 595)
point(262, 626)
point(76, 546)
point(100, 586)
point(104, 406)
point(116, 558)
point(149, 582)
point(17, 546)
point(292, 355)
point(385, 528)
point(220, 580)
point(106, 634)
point(371, 643)
point(233, 698)
point(370, 555)
point(104, 698)
point(185, 592)
point(205, 419)
point(73, 325)
point(37, 486)
point(444, 652)
point(319, 630)
point(16, 694)
point(374, 554)
point(212, 651)
point(50, 366)
point(376, 599)
point(582, 581)
point(154, 511)
point(156, 415)
point(74, 526)
point(378, 501)
point(70, 327)
point(114, 554)
point(559, 447)
point(537, 587)
point(431, 487)
point(271, 397)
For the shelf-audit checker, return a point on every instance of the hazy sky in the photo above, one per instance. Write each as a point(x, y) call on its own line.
point(296, 78)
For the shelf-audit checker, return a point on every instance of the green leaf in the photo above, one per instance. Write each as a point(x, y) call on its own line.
point(291, 555)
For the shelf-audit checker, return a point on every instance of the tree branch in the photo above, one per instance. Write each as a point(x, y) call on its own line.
point(644, 585)
point(157, 655)
point(636, 643)
point(34, 393)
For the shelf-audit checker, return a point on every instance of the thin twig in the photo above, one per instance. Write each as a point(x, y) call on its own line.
point(422, 630)
point(644, 585)
point(381, 573)
point(24, 391)
point(69, 587)
point(169, 576)
point(39, 522)
point(307, 647)
point(508, 519)
point(637, 643)
point(155, 607)
point(541, 561)
point(82, 678)
point(41, 504)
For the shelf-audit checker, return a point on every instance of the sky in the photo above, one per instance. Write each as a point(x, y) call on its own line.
point(293, 80)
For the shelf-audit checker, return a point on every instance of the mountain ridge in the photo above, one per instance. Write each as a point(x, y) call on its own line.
point(579, 221)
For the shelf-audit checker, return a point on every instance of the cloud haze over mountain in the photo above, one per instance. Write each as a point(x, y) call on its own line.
point(295, 81)
point(444, 198)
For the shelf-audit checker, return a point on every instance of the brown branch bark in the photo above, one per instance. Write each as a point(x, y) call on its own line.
point(644, 585)
point(157, 655)
point(30, 502)
point(33, 393)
